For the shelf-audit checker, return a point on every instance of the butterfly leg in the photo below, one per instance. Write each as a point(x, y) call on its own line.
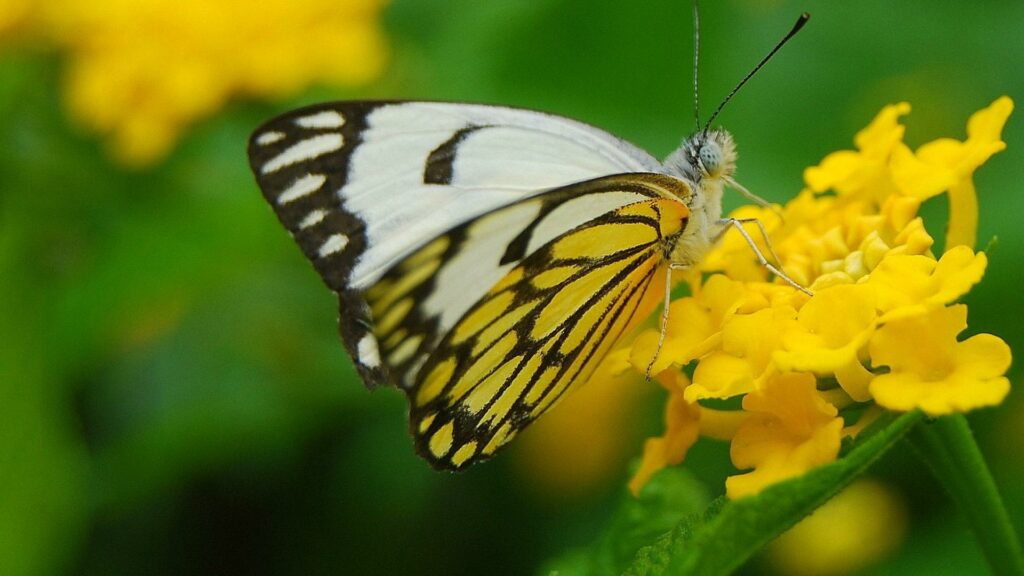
point(737, 223)
point(672, 267)
point(764, 236)
point(752, 197)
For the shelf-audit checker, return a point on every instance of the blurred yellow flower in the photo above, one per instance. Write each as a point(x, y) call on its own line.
point(864, 523)
point(879, 333)
point(141, 71)
point(580, 449)
point(13, 13)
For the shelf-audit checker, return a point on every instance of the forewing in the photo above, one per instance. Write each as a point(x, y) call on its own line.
point(363, 185)
point(539, 331)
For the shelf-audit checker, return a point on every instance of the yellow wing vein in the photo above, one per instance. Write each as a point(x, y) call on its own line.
point(621, 301)
point(539, 332)
point(562, 332)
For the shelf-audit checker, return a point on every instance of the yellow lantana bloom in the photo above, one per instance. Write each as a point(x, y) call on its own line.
point(141, 71)
point(947, 165)
point(790, 429)
point(682, 420)
point(931, 370)
point(863, 173)
point(879, 333)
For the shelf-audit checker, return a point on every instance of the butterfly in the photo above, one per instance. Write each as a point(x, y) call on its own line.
point(485, 258)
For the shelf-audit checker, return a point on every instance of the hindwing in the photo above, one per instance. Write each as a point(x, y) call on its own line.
point(536, 332)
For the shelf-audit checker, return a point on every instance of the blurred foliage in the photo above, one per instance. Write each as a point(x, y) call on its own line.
point(173, 396)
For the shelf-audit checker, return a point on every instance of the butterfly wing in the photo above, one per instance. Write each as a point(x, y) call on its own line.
point(542, 328)
point(362, 185)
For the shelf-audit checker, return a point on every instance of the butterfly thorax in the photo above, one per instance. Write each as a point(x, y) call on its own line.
point(704, 161)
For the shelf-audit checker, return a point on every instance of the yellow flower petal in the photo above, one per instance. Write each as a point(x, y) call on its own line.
point(931, 371)
point(721, 375)
point(948, 164)
point(789, 431)
point(899, 211)
point(984, 138)
point(645, 346)
point(918, 178)
point(682, 421)
point(910, 285)
point(885, 129)
point(855, 379)
point(987, 123)
point(962, 229)
point(912, 239)
point(693, 327)
point(832, 327)
point(748, 341)
point(863, 174)
point(835, 169)
point(721, 424)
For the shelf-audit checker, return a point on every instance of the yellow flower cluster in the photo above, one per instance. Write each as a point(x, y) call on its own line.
point(140, 71)
point(879, 333)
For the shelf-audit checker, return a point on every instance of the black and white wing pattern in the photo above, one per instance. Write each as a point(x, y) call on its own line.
point(413, 212)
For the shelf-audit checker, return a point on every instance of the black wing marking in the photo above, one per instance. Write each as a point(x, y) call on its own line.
point(301, 161)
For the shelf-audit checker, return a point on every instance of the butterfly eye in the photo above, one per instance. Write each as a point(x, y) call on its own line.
point(711, 158)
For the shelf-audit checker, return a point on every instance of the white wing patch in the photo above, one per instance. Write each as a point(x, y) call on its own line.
point(303, 186)
point(515, 154)
point(312, 219)
point(517, 158)
point(322, 120)
point(268, 138)
point(304, 151)
point(470, 273)
point(334, 243)
point(369, 354)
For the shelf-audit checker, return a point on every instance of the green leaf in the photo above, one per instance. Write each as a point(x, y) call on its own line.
point(671, 495)
point(728, 533)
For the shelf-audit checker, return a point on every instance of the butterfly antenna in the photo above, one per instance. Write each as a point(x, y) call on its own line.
point(696, 65)
point(796, 28)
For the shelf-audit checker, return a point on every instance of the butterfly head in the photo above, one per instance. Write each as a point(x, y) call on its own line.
point(705, 162)
point(704, 157)
point(716, 154)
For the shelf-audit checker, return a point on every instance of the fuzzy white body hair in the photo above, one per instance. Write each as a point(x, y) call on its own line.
point(704, 161)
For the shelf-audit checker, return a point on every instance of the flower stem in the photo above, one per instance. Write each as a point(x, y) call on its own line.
point(949, 448)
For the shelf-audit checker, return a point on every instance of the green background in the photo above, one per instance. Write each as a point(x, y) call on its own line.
point(173, 396)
